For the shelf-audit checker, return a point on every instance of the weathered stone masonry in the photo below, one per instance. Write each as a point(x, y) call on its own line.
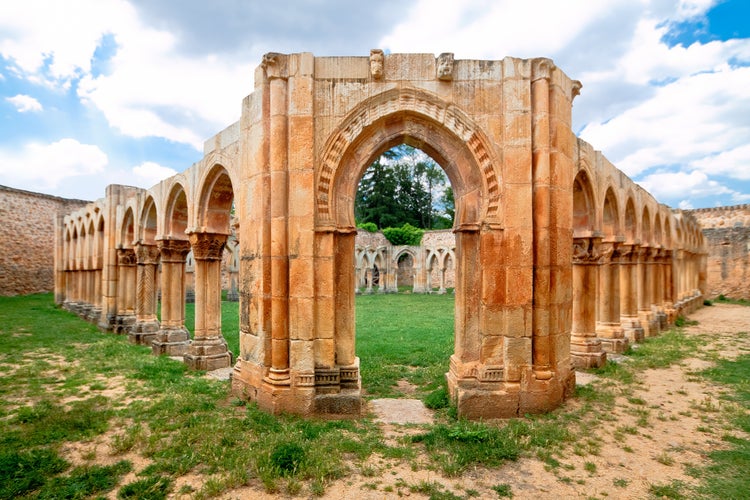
point(727, 233)
point(28, 241)
point(559, 258)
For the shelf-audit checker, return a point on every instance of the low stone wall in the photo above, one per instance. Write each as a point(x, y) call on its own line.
point(727, 232)
point(27, 245)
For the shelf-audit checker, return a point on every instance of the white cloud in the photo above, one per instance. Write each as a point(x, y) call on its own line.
point(679, 185)
point(149, 173)
point(683, 123)
point(493, 29)
point(43, 166)
point(24, 103)
point(150, 88)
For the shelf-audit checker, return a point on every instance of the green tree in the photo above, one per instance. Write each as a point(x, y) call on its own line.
point(404, 186)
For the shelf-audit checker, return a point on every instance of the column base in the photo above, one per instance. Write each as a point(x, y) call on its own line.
point(171, 341)
point(208, 354)
point(478, 394)
point(615, 346)
point(334, 392)
point(123, 323)
point(107, 322)
point(587, 352)
point(143, 332)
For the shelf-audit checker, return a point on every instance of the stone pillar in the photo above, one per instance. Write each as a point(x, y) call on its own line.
point(208, 351)
point(645, 315)
point(585, 348)
point(420, 281)
point(657, 291)
point(172, 338)
point(629, 294)
point(146, 324)
point(368, 280)
point(608, 327)
point(668, 292)
point(442, 290)
point(126, 263)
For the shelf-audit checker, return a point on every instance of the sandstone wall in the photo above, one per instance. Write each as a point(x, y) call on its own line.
point(727, 231)
point(27, 246)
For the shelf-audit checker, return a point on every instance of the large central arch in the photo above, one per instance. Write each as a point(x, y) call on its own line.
point(501, 131)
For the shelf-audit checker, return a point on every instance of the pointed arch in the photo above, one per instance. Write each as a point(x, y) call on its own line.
point(177, 213)
point(148, 225)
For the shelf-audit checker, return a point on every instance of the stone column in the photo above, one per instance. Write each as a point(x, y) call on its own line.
point(441, 290)
point(645, 315)
point(146, 324)
point(657, 291)
point(608, 327)
point(208, 351)
point(368, 280)
point(629, 294)
point(126, 263)
point(172, 338)
point(668, 292)
point(585, 348)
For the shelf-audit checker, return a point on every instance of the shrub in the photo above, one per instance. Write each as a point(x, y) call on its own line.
point(370, 227)
point(404, 235)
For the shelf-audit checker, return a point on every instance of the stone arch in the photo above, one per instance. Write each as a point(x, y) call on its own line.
point(216, 196)
point(127, 229)
point(421, 120)
point(610, 215)
point(148, 224)
point(630, 224)
point(646, 233)
point(177, 213)
point(584, 213)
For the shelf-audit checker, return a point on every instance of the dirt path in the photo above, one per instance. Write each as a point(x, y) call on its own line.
point(660, 428)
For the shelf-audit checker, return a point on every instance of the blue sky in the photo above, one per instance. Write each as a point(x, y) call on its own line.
point(94, 92)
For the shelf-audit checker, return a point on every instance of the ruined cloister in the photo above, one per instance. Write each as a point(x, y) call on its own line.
point(556, 257)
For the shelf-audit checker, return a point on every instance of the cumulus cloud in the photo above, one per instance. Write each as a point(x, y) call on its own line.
point(39, 167)
point(150, 173)
point(149, 89)
point(24, 103)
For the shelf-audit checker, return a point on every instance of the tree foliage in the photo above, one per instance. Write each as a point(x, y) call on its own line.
point(405, 186)
point(404, 235)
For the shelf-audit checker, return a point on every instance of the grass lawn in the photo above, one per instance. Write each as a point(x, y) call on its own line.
point(77, 406)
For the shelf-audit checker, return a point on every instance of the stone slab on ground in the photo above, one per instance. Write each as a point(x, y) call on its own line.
point(583, 378)
point(401, 411)
point(221, 373)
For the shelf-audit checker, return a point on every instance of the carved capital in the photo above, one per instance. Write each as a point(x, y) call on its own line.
point(275, 65)
point(586, 251)
point(576, 89)
point(126, 257)
point(377, 64)
point(174, 250)
point(445, 66)
point(147, 254)
point(609, 251)
point(207, 246)
point(541, 68)
point(628, 252)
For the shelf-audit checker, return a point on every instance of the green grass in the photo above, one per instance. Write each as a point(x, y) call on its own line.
point(230, 323)
point(404, 336)
point(57, 374)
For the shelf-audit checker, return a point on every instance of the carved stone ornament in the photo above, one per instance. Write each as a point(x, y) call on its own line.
point(147, 254)
point(609, 252)
point(174, 250)
point(576, 89)
point(377, 62)
point(126, 257)
point(542, 69)
point(208, 246)
point(585, 251)
point(445, 66)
